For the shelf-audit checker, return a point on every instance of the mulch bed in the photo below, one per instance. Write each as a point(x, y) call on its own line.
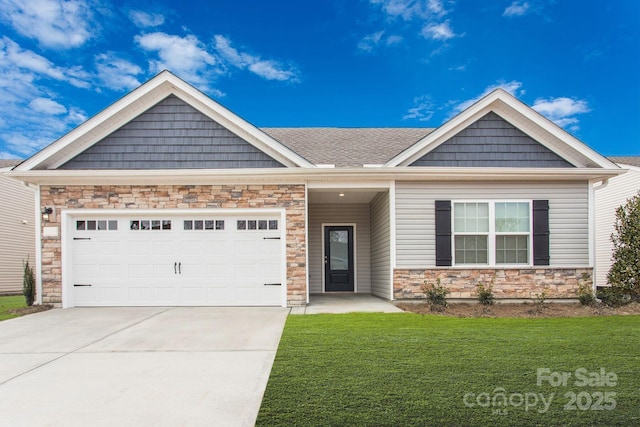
point(30, 310)
point(526, 310)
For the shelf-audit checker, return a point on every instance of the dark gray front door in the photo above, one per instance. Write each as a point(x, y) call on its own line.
point(338, 258)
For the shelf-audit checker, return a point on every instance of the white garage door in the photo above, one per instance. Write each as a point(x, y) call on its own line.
point(170, 260)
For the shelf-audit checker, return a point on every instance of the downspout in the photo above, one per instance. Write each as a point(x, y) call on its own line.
point(38, 241)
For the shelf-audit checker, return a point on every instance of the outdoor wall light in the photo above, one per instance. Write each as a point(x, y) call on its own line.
point(46, 211)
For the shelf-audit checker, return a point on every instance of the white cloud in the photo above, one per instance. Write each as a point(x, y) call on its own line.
point(369, 42)
point(116, 73)
point(441, 31)
point(14, 56)
point(47, 106)
point(422, 110)
point(394, 39)
point(410, 9)
point(60, 24)
point(146, 20)
point(562, 110)
point(517, 8)
point(512, 87)
point(265, 68)
point(185, 56)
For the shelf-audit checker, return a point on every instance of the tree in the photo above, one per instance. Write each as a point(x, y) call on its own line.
point(625, 270)
point(28, 284)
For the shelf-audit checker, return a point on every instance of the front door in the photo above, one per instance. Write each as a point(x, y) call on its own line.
point(338, 258)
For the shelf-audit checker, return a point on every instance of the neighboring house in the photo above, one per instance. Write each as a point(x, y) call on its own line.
point(17, 229)
point(609, 197)
point(168, 198)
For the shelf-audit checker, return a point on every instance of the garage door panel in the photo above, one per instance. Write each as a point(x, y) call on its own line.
point(173, 265)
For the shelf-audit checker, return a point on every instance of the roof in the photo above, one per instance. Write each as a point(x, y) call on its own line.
point(348, 147)
point(626, 160)
point(9, 163)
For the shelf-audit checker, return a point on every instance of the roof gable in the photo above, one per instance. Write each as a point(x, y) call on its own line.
point(523, 117)
point(171, 135)
point(491, 141)
point(144, 98)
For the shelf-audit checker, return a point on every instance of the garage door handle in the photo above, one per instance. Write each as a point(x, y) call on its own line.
point(273, 284)
point(180, 268)
point(271, 238)
point(77, 285)
point(175, 268)
point(82, 238)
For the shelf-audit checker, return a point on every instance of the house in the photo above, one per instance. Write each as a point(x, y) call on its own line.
point(17, 230)
point(609, 196)
point(168, 198)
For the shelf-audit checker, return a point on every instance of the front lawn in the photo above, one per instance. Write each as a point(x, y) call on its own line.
point(10, 302)
point(409, 369)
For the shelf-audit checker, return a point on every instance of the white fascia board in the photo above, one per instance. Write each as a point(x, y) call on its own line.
point(140, 100)
point(498, 100)
point(316, 177)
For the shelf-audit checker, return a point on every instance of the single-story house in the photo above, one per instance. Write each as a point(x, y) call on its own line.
point(609, 196)
point(168, 198)
point(17, 230)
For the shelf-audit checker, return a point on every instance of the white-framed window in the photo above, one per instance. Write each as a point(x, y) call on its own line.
point(492, 232)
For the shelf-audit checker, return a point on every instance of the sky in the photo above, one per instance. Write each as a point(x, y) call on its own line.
point(324, 63)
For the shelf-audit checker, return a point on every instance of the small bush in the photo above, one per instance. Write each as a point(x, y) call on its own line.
point(540, 299)
point(436, 295)
point(585, 295)
point(28, 284)
point(485, 294)
point(614, 296)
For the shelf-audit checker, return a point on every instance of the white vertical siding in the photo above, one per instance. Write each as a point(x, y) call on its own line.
point(340, 214)
point(380, 246)
point(17, 239)
point(568, 216)
point(614, 194)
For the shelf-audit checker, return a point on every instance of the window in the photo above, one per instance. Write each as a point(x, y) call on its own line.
point(203, 224)
point(149, 224)
point(96, 225)
point(491, 233)
point(261, 224)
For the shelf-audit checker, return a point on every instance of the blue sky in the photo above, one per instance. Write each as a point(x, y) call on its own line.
point(344, 63)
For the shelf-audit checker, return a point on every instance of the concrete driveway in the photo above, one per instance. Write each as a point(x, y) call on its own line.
point(199, 366)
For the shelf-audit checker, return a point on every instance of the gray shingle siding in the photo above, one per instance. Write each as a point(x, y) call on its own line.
point(172, 135)
point(492, 142)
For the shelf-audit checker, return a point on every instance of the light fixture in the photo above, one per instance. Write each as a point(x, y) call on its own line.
point(341, 195)
point(46, 211)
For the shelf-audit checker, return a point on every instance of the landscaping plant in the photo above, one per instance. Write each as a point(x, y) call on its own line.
point(485, 293)
point(28, 284)
point(625, 270)
point(436, 295)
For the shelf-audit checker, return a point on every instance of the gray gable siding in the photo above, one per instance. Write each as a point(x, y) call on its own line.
point(172, 135)
point(492, 142)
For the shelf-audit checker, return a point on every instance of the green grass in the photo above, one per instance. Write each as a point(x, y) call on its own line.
point(10, 302)
point(407, 369)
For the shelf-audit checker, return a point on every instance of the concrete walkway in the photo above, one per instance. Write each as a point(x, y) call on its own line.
point(137, 366)
point(346, 303)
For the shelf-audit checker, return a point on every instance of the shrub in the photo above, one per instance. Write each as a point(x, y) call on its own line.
point(585, 294)
point(436, 295)
point(541, 299)
point(485, 294)
point(625, 270)
point(28, 284)
point(613, 296)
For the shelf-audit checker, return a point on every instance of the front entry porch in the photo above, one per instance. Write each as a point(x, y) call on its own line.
point(345, 302)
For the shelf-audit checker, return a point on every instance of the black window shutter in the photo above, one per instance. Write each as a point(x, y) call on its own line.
point(540, 232)
point(443, 233)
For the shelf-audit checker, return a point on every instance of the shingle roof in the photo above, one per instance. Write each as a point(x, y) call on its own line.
point(9, 163)
point(626, 160)
point(348, 147)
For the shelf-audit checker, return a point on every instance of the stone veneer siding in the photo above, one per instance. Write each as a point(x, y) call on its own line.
point(290, 197)
point(507, 283)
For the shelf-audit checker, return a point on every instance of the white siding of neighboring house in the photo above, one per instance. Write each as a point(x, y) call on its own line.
point(380, 246)
point(17, 239)
point(614, 194)
point(342, 214)
point(568, 216)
